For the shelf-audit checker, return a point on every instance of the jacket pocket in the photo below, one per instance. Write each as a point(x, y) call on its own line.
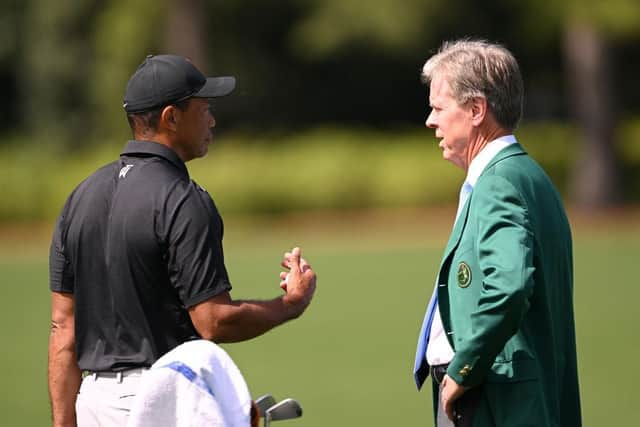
point(516, 370)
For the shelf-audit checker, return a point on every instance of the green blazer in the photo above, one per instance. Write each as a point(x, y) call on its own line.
point(506, 297)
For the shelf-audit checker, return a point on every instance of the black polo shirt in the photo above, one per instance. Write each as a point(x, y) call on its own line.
point(137, 243)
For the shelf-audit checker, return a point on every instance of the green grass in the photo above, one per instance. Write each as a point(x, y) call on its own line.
point(25, 322)
point(349, 358)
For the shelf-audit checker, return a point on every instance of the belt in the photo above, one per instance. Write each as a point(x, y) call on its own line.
point(438, 372)
point(117, 375)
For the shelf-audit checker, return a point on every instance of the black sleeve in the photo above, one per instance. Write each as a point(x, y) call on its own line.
point(194, 240)
point(60, 271)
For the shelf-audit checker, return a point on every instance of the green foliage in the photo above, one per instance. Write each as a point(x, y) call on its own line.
point(126, 31)
point(629, 148)
point(325, 168)
point(10, 28)
point(64, 64)
point(390, 25)
point(56, 67)
point(74, 60)
point(331, 168)
point(615, 18)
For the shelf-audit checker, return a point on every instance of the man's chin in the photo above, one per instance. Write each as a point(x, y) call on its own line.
point(451, 159)
point(202, 153)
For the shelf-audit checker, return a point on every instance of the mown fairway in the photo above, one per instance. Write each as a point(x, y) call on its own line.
point(348, 360)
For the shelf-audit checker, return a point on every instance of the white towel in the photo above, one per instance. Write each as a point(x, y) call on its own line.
point(195, 384)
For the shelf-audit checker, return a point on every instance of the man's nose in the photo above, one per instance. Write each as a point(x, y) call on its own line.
point(430, 122)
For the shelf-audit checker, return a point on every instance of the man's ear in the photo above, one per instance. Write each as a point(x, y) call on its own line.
point(170, 117)
point(478, 110)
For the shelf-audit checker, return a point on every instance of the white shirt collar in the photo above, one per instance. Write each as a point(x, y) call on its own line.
point(485, 156)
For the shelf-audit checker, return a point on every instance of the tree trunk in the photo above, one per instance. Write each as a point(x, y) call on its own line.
point(595, 180)
point(185, 31)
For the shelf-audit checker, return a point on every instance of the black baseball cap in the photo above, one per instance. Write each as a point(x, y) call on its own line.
point(164, 79)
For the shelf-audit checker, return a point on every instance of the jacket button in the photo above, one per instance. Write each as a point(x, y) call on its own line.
point(466, 370)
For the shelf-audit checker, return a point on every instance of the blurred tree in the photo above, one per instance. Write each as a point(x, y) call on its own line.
point(301, 63)
point(185, 33)
point(596, 174)
point(249, 39)
point(392, 27)
point(590, 26)
point(125, 32)
point(398, 27)
point(56, 70)
point(589, 30)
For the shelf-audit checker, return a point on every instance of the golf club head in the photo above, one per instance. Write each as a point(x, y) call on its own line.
point(284, 410)
point(265, 402)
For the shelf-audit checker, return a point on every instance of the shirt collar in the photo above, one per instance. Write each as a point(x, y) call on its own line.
point(147, 148)
point(485, 156)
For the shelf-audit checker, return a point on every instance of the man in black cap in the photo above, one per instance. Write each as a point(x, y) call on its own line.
point(136, 260)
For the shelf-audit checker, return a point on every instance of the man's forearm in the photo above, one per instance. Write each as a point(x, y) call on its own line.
point(64, 379)
point(245, 319)
point(221, 319)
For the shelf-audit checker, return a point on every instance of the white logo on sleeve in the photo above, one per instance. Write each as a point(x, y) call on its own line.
point(124, 170)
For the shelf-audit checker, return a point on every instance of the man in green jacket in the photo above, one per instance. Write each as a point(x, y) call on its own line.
point(498, 336)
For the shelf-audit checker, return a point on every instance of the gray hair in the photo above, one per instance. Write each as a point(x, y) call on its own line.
point(477, 68)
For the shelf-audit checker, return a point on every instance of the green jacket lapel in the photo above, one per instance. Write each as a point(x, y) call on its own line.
point(456, 233)
point(461, 222)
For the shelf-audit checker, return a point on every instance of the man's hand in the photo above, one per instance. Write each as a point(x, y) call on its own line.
point(300, 282)
point(221, 319)
point(450, 392)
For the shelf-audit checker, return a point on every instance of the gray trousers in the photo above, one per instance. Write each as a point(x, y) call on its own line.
point(105, 399)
